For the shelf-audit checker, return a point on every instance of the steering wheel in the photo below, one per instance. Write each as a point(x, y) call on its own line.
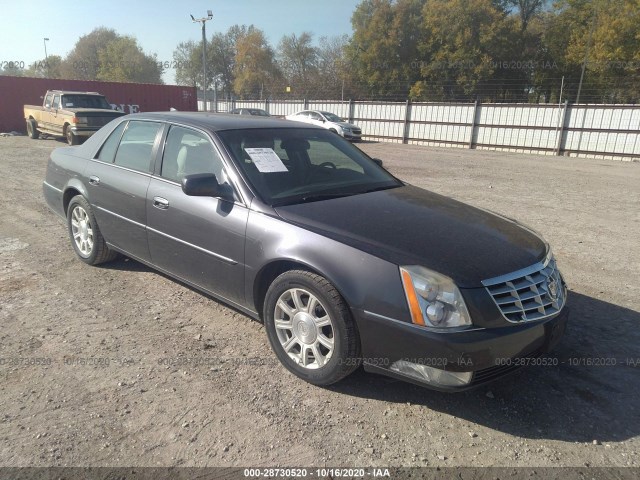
point(328, 164)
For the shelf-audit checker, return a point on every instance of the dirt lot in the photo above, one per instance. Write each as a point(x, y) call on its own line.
point(121, 366)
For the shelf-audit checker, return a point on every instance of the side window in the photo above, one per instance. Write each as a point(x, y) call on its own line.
point(136, 145)
point(187, 152)
point(47, 100)
point(56, 102)
point(108, 150)
point(315, 116)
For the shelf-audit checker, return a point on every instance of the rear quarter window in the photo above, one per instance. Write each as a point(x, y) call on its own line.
point(108, 150)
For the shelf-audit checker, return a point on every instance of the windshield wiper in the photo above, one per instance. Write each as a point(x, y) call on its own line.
point(326, 196)
point(377, 189)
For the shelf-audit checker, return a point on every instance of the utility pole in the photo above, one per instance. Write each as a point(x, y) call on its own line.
point(203, 20)
point(586, 54)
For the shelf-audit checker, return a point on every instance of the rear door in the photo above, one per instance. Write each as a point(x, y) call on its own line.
point(199, 239)
point(118, 179)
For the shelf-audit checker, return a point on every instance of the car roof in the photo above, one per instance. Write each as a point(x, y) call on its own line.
point(216, 121)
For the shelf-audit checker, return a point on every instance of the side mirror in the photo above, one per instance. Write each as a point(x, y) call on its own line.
point(378, 161)
point(206, 185)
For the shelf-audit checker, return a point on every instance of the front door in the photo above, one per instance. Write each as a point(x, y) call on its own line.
point(199, 239)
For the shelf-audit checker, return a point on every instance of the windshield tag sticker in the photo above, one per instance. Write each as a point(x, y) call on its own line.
point(266, 160)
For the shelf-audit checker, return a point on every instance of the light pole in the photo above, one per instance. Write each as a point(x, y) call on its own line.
point(203, 20)
point(46, 57)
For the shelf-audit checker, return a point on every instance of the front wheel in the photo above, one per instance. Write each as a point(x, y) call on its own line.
point(86, 239)
point(310, 328)
point(72, 138)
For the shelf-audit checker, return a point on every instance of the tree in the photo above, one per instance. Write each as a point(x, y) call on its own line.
point(122, 60)
point(383, 51)
point(298, 60)
point(187, 64)
point(221, 57)
point(607, 34)
point(255, 69)
point(83, 62)
point(13, 69)
point(464, 41)
point(51, 67)
point(527, 9)
point(334, 75)
point(103, 54)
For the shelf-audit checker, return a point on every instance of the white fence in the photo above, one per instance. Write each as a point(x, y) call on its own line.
point(602, 131)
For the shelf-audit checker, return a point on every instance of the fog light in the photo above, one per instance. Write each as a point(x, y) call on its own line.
point(433, 376)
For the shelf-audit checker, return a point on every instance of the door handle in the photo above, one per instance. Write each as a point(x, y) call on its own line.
point(161, 203)
point(93, 180)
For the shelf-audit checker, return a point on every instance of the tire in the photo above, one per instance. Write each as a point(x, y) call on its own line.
point(84, 233)
point(323, 345)
point(71, 138)
point(32, 129)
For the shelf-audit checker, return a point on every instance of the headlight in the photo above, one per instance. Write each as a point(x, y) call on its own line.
point(346, 130)
point(434, 300)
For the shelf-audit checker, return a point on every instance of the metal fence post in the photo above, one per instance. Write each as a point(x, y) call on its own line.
point(560, 129)
point(266, 105)
point(351, 109)
point(407, 122)
point(305, 102)
point(474, 124)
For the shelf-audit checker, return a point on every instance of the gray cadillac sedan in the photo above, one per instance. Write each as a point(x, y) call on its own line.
point(345, 264)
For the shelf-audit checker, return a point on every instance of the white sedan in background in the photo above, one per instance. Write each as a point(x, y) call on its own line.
point(329, 121)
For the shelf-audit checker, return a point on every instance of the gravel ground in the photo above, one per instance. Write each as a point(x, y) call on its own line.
point(121, 366)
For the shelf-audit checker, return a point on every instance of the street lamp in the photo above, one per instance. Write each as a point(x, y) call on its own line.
point(203, 20)
point(46, 57)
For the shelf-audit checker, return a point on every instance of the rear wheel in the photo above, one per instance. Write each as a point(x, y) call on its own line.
point(32, 129)
point(310, 328)
point(86, 239)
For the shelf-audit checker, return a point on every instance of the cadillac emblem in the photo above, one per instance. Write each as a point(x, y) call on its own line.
point(553, 288)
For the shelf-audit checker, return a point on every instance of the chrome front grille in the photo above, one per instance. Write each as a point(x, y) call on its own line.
point(529, 294)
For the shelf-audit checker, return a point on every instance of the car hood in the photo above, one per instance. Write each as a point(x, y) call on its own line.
point(95, 111)
point(412, 226)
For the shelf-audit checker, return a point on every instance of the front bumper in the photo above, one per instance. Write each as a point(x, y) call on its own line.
point(354, 137)
point(84, 131)
point(487, 352)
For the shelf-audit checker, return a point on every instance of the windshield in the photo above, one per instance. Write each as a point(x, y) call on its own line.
point(85, 101)
point(331, 117)
point(260, 113)
point(296, 165)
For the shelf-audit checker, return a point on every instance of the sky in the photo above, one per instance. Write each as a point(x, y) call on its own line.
point(158, 25)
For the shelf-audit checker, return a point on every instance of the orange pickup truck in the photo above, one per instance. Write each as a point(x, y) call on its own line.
point(72, 115)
